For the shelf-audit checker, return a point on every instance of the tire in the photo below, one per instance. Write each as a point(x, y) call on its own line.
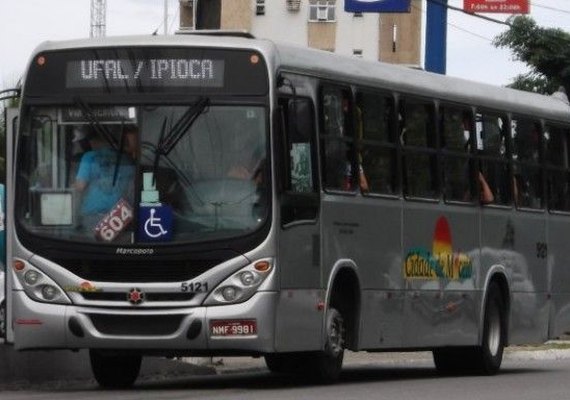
point(452, 360)
point(113, 371)
point(325, 366)
point(487, 358)
point(285, 363)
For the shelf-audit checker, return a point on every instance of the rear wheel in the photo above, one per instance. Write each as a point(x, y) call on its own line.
point(489, 355)
point(487, 358)
point(115, 371)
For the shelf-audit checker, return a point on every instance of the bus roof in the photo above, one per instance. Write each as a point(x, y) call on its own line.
point(421, 83)
point(283, 57)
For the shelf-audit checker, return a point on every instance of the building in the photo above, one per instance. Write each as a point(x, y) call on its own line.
point(322, 24)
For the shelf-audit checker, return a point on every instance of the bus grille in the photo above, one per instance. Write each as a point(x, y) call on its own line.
point(149, 297)
point(137, 271)
point(136, 325)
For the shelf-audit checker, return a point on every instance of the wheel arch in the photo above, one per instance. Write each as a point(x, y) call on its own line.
point(344, 294)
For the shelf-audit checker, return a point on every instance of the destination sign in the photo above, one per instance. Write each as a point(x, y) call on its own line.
point(175, 72)
point(146, 71)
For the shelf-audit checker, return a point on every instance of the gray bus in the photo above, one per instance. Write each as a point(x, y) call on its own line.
point(223, 195)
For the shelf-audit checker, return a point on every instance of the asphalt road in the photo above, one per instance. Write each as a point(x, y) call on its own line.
point(524, 376)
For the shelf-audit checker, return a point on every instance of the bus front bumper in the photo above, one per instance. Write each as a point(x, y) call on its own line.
point(245, 328)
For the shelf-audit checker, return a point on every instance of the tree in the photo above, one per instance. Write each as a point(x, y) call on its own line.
point(545, 50)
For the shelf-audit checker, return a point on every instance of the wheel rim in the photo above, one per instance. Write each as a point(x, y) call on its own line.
point(494, 332)
point(335, 335)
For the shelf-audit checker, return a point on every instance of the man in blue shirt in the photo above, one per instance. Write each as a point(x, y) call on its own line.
point(104, 178)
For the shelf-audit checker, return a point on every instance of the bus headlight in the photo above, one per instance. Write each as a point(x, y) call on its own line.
point(230, 293)
point(49, 292)
point(32, 277)
point(248, 278)
point(241, 285)
point(37, 285)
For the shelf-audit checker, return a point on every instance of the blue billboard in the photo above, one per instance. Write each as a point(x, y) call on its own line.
point(377, 6)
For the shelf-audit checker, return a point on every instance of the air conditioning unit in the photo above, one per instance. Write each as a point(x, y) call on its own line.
point(293, 5)
point(322, 13)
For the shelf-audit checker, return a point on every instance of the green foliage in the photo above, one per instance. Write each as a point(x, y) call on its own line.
point(545, 50)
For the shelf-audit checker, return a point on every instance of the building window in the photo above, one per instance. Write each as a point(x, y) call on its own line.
point(357, 53)
point(293, 5)
point(260, 7)
point(322, 10)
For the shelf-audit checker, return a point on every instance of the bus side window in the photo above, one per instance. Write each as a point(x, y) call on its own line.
point(300, 125)
point(491, 132)
point(300, 199)
point(337, 139)
point(417, 135)
point(527, 181)
point(557, 166)
point(377, 145)
point(456, 149)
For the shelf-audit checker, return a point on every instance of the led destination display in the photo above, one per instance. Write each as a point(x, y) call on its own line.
point(147, 70)
point(161, 72)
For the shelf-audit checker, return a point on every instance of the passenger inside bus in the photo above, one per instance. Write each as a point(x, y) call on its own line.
point(105, 177)
point(526, 175)
point(491, 132)
point(485, 193)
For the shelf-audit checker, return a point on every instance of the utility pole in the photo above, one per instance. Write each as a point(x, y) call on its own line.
point(166, 17)
point(98, 18)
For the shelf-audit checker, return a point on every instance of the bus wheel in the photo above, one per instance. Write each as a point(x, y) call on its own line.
point(115, 371)
point(489, 355)
point(281, 363)
point(327, 364)
point(485, 359)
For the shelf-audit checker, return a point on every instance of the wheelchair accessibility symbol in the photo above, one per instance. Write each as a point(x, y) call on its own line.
point(155, 223)
point(153, 227)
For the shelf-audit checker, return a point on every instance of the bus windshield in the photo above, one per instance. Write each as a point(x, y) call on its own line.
point(151, 173)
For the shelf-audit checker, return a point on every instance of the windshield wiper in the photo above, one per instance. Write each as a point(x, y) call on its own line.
point(119, 154)
point(177, 132)
point(168, 141)
point(158, 152)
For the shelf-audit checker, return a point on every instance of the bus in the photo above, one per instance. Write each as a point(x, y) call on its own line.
point(280, 202)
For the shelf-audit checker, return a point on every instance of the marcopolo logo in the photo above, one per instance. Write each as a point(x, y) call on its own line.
point(134, 252)
point(442, 262)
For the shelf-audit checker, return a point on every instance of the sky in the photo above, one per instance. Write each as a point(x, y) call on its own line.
point(26, 23)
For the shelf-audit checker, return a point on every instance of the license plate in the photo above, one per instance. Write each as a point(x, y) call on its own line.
point(241, 327)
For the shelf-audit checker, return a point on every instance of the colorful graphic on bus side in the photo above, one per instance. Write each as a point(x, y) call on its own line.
point(442, 262)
